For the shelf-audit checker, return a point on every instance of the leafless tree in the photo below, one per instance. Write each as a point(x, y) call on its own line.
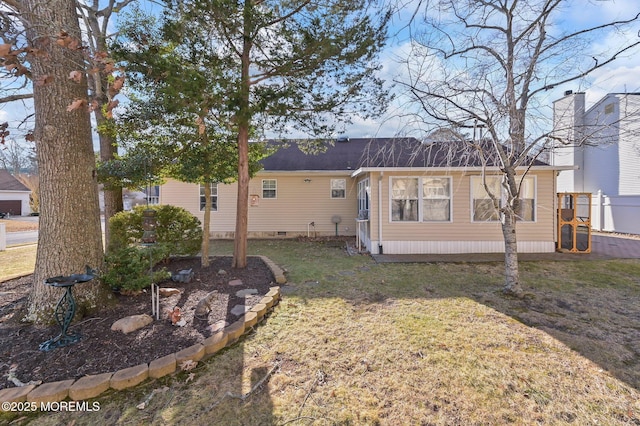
point(14, 156)
point(96, 18)
point(478, 64)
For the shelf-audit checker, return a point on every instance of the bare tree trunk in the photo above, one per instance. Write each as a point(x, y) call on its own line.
point(112, 196)
point(70, 235)
point(242, 225)
point(244, 118)
point(512, 280)
point(206, 223)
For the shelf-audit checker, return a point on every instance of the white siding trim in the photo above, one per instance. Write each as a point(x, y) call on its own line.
point(459, 247)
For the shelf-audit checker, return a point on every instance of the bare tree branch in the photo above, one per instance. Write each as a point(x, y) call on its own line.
point(13, 98)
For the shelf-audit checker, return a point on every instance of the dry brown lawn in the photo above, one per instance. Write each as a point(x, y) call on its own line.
point(359, 343)
point(14, 225)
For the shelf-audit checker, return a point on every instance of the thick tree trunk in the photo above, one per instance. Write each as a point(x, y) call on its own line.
point(70, 234)
point(512, 277)
point(244, 121)
point(242, 223)
point(206, 224)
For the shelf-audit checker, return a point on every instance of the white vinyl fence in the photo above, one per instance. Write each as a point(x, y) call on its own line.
point(615, 213)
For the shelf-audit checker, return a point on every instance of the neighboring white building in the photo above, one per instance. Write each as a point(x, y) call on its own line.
point(14, 196)
point(604, 142)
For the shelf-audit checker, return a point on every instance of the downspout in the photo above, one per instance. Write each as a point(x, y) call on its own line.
point(380, 213)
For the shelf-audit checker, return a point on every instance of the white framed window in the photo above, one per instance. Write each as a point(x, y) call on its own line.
point(483, 208)
point(269, 188)
point(338, 188)
point(420, 199)
point(527, 210)
point(214, 197)
point(364, 195)
point(436, 199)
point(404, 199)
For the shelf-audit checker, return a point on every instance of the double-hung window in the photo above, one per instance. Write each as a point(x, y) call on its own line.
point(421, 199)
point(214, 197)
point(483, 207)
point(404, 199)
point(436, 199)
point(269, 188)
point(338, 188)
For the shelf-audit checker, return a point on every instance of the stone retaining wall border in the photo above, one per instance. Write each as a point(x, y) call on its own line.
point(92, 386)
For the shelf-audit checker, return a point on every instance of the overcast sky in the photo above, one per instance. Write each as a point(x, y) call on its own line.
point(621, 76)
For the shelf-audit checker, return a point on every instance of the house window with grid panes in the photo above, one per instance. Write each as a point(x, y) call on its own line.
point(214, 197)
point(269, 188)
point(436, 199)
point(404, 199)
point(338, 188)
point(483, 206)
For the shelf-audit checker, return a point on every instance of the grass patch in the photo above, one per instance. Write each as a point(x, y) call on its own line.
point(14, 225)
point(359, 343)
point(17, 261)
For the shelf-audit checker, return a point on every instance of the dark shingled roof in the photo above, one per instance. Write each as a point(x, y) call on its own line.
point(9, 183)
point(352, 154)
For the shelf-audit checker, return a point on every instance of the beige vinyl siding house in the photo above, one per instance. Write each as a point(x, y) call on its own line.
point(303, 205)
point(459, 234)
point(403, 207)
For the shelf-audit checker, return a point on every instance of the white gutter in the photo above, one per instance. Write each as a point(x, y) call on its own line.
point(474, 169)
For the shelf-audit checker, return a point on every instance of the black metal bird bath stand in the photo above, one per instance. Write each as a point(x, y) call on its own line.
point(65, 310)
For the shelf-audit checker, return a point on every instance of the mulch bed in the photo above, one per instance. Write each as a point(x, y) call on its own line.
point(101, 350)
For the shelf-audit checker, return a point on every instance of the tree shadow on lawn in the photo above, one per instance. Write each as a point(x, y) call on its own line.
point(591, 307)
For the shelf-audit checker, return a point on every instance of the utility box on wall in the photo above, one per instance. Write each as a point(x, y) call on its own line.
point(574, 222)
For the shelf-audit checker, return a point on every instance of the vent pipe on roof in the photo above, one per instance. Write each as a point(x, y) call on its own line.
point(343, 139)
point(568, 92)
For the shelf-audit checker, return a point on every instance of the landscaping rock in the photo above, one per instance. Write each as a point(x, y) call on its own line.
point(132, 323)
point(235, 282)
point(51, 392)
point(218, 326)
point(183, 276)
point(162, 366)
point(168, 291)
point(215, 342)
point(192, 353)
point(17, 394)
point(90, 386)
point(246, 292)
point(239, 310)
point(129, 377)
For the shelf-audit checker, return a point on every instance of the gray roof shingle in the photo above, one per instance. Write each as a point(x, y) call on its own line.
point(10, 183)
point(352, 154)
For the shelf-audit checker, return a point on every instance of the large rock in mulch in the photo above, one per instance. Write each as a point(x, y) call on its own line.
point(132, 323)
point(168, 291)
point(246, 292)
point(234, 283)
point(239, 310)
